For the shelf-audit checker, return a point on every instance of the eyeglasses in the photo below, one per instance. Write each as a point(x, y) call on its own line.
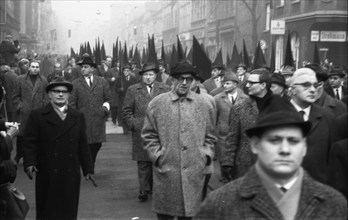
point(56, 91)
point(307, 85)
point(251, 82)
point(188, 80)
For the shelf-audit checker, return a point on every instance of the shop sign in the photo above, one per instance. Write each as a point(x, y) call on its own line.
point(277, 27)
point(333, 36)
point(315, 36)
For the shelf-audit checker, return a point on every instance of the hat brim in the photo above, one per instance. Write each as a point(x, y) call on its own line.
point(91, 64)
point(50, 86)
point(146, 70)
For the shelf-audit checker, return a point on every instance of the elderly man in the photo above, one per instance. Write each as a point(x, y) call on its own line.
point(136, 101)
point(304, 89)
point(29, 93)
point(50, 151)
point(179, 136)
point(276, 187)
point(91, 96)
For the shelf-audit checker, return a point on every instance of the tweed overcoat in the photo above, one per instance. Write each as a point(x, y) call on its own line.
point(58, 149)
point(236, 151)
point(89, 100)
point(247, 198)
point(28, 97)
point(180, 134)
point(112, 72)
point(134, 107)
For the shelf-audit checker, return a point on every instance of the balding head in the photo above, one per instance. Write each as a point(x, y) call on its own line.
point(299, 73)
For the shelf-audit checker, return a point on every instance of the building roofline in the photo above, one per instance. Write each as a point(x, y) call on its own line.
point(317, 14)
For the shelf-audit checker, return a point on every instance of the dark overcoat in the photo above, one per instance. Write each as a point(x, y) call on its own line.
point(134, 107)
point(58, 149)
point(236, 151)
point(89, 100)
point(209, 85)
point(180, 133)
point(247, 198)
point(28, 97)
point(333, 105)
point(121, 87)
point(112, 72)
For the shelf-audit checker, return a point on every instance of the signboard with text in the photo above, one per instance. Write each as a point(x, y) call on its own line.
point(328, 36)
point(278, 27)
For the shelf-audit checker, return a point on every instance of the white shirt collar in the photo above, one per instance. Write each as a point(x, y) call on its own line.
point(306, 110)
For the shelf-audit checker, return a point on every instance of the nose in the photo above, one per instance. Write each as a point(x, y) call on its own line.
point(284, 148)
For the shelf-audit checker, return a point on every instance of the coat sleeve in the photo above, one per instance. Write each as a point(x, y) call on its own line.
point(150, 135)
point(128, 108)
point(229, 146)
point(107, 92)
point(85, 154)
point(210, 135)
point(73, 99)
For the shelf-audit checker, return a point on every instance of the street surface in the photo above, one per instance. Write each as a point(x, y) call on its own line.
point(116, 175)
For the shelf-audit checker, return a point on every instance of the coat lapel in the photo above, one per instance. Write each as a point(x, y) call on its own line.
point(314, 117)
point(70, 121)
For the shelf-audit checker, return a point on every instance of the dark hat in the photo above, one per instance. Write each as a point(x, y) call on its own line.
point(321, 75)
point(241, 65)
point(336, 71)
point(277, 111)
point(230, 76)
point(59, 81)
point(161, 62)
point(278, 79)
point(86, 59)
point(148, 67)
point(183, 67)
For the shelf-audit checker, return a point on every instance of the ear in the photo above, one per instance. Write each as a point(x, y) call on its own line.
point(253, 144)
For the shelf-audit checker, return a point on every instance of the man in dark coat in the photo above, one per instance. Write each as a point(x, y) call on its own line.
point(179, 136)
point(276, 187)
point(8, 49)
point(29, 94)
point(123, 81)
point(336, 88)
point(91, 96)
point(136, 101)
point(56, 148)
point(304, 89)
point(111, 75)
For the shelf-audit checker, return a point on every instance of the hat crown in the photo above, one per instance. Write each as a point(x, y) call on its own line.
point(183, 67)
point(59, 81)
point(86, 59)
point(230, 76)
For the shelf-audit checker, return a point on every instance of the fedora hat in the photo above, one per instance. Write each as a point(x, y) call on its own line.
point(278, 79)
point(278, 112)
point(86, 59)
point(183, 67)
point(336, 71)
point(59, 81)
point(241, 65)
point(230, 76)
point(148, 67)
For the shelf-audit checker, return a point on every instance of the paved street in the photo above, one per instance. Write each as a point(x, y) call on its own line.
point(117, 191)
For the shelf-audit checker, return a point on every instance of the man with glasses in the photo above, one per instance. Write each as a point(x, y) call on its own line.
point(29, 93)
point(91, 96)
point(179, 137)
point(304, 89)
point(258, 86)
point(56, 149)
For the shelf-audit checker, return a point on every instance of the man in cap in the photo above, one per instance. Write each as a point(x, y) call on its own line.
point(278, 85)
point(91, 96)
point(29, 93)
point(136, 101)
point(123, 82)
point(179, 136)
point(276, 187)
point(56, 149)
point(336, 89)
point(304, 92)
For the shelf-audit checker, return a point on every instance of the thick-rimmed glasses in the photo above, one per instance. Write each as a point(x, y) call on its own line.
point(56, 91)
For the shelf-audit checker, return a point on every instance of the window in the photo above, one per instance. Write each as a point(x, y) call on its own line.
point(198, 10)
point(279, 51)
point(268, 16)
point(280, 3)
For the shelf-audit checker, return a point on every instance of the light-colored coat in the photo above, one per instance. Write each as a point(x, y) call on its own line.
point(134, 107)
point(247, 198)
point(236, 151)
point(28, 97)
point(89, 100)
point(180, 134)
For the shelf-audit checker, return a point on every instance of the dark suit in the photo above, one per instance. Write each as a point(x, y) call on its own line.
point(332, 93)
point(58, 149)
point(319, 141)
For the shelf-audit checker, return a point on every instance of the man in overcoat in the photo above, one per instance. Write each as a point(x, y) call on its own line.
point(91, 96)
point(29, 93)
point(276, 187)
point(136, 101)
point(111, 74)
point(56, 148)
point(179, 136)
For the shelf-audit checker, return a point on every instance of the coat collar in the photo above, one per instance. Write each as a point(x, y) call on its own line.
point(175, 97)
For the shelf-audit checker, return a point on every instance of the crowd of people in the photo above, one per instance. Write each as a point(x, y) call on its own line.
point(280, 139)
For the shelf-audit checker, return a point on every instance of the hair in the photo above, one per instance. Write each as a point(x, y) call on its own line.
point(35, 61)
point(301, 72)
point(264, 76)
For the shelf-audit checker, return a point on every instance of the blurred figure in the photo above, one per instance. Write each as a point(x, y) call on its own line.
point(276, 187)
point(217, 73)
point(278, 85)
point(111, 75)
point(9, 48)
point(287, 72)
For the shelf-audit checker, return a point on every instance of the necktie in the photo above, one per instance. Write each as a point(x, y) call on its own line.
point(233, 100)
point(283, 189)
point(90, 81)
point(337, 94)
point(302, 113)
point(150, 88)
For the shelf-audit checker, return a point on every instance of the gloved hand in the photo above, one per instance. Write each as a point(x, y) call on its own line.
point(30, 171)
point(227, 172)
point(90, 177)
